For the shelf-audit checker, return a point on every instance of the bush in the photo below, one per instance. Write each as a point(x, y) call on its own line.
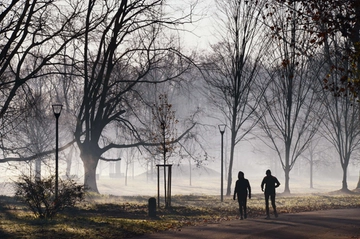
point(39, 195)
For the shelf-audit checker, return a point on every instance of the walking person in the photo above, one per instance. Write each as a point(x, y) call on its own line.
point(242, 190)
point(270, 183)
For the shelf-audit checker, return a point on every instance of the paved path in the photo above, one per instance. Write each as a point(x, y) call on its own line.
point(329, 224)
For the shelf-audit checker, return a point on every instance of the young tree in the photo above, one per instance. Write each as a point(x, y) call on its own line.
point(164, 133)
point(316, 154)
point(232, 70)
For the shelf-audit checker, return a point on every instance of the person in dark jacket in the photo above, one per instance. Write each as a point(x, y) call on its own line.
point(242, 190)
point(270, 183)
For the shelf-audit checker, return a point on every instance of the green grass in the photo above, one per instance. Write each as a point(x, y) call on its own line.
point(124, 217)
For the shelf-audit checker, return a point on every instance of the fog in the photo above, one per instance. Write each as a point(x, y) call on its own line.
point(204, 179)
point(207, 180)
point(210, 185)
point(132, 175)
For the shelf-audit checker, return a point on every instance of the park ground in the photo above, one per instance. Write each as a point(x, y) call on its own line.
point(127, 216)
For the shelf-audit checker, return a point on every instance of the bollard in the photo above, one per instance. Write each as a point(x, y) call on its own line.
point(152, 207)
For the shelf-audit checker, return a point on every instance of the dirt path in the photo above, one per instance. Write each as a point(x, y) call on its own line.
point(329, 224)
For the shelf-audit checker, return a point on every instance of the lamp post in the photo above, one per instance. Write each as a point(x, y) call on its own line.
point(57, 111)
point(222, 131)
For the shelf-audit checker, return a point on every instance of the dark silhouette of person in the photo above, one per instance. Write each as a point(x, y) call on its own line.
point(242, 190)
point(270, 183)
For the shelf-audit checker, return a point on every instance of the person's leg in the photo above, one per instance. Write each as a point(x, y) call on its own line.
point(245, 201)
point(273, 204)
point(267, 205)
point(240, 208)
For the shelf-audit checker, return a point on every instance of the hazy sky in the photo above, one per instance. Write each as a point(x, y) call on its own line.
point(201, 32)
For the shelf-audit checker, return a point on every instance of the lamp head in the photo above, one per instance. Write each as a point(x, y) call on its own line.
point(222, 128)
point(57, 109)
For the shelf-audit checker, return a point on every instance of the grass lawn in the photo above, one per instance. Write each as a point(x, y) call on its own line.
point(124, 217)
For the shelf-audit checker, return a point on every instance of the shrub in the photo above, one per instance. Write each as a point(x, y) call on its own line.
point(39, 195)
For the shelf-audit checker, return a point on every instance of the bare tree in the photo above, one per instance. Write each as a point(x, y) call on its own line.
point(331, 24)
point(32, 36)
point(33, 134)
point(126, 40)
point(333, 18)
point(232, 70)
point(341, 124)
point(317, 155)
point(291, 103)
point(164, 133)
point(342, 130)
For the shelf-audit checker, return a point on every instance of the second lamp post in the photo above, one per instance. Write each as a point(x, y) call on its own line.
point(222, 131)
point(57, 111)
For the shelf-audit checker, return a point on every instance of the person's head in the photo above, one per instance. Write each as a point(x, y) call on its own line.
point(268, 172)
point(240, 175)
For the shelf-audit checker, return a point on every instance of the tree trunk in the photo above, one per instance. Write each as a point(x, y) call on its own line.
point(69, 162)
point(165, 194)
point(126, 172)
point(344, 181)
point(232, 150)
point(287, 180)
point(190, 171)
point(90, 163)
point(38, 169)
point(358, 184)
point(311, 172)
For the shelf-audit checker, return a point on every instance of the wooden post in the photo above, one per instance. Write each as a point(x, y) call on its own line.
point(168, 184)
point(158, 185)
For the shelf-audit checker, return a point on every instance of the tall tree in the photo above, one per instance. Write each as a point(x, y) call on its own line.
point(232, 69)
point(291, 101)
point(328, 18)
point(342, 120)
point(126, 42)
point(335, 19)
point(342, 130)
point(32, 36)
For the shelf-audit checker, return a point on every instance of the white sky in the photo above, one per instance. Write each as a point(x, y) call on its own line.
point(200, 34)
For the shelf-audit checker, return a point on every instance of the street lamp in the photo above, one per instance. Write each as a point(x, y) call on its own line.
point(57, 111)
point(222, 131)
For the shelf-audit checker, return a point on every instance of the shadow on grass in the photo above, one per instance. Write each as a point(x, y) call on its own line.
point(137, 211)
point(16, 221)
point(8, 217)
point(8, 207)
point(119, 217)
